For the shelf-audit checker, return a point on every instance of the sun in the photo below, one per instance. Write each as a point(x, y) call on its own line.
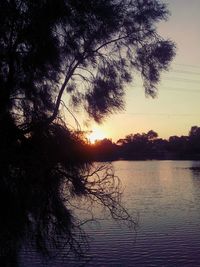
point(96, 134)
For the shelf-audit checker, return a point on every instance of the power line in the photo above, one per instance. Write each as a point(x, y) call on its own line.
point(185, 72)
point(187, 65)
point(181, 80)
point(181, 89)
point(185, 90)
point(161, 114)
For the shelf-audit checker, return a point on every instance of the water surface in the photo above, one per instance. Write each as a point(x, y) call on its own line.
point(165, 197)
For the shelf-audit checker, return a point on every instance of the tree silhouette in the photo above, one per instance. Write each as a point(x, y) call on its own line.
point(88, 51)
point(145, 146)
point(138, 146)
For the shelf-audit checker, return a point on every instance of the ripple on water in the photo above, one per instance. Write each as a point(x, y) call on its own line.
point(167, 196)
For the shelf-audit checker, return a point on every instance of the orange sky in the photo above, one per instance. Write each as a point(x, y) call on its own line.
point(177, 106)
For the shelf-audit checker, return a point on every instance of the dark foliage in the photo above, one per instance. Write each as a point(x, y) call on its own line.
point(148, 146)
point(86, 50)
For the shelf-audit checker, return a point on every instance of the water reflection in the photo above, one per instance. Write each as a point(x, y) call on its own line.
point(46, 227)
point(195, 172)
point(167, 196)
point(195, 169)
point(46, 217)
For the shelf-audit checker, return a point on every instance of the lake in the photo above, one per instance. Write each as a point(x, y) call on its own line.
point(164, 196)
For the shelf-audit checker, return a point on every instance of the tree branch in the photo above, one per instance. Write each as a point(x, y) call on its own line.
point(111, 41)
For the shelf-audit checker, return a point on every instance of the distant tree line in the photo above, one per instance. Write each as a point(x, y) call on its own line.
point(148, 146)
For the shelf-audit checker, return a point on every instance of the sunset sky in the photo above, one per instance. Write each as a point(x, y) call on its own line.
point(177, 106)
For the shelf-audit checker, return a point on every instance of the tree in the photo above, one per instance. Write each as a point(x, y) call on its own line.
point(194, 140)
point(151, 135)
point(194, 131)
point(104, 150)
point(86, 50)
point(138, 146)
point(178, 145)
